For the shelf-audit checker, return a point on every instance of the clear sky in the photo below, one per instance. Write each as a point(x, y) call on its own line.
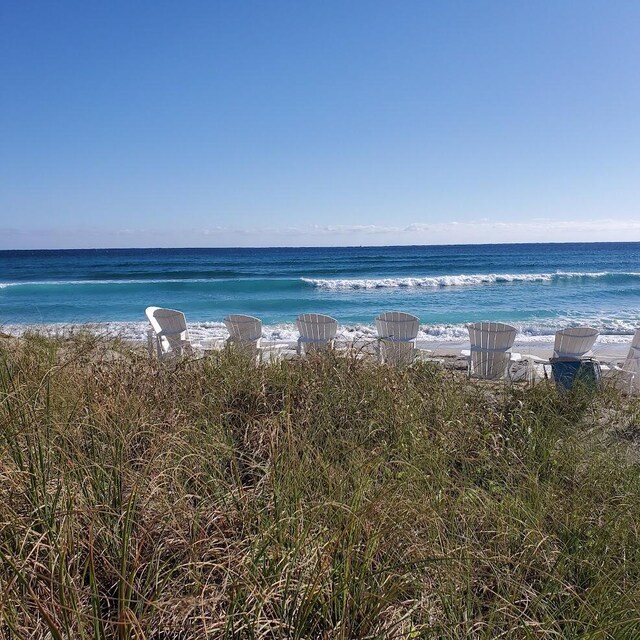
point(239, 123)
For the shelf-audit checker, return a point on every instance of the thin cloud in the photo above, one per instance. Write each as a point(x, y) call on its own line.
point(454, 232)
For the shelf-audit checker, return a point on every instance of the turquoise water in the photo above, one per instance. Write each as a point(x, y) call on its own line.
point(536, 287)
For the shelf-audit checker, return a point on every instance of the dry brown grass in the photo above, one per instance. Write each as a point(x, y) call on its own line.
point(320, 498)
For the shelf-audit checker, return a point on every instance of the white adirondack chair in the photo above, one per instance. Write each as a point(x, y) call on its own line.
point(245, 333)
point(397, 333)
point(490, 356)
point(627, 377)
point(574, 342)
point(317, 332)
point(169, 336)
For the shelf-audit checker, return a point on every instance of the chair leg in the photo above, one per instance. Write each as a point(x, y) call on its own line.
point(150, 339)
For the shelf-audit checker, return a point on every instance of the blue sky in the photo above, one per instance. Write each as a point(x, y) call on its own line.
point(247, 123)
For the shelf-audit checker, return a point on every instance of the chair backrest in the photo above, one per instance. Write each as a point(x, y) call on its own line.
point(634, 348)
point(243, 328)
point(170, 329)
point(397, 326)
point(397, 331)
point(245, 332)
point(632, 362)
point(317, 331)
point(574, 342)
point(490, 349)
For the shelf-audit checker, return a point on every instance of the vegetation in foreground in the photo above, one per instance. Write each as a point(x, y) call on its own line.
point(320, 498)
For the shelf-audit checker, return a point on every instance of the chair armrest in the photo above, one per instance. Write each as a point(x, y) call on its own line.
point(514, 357)
point(615, 367)
point(528, 356)
point(276, 346)
point(210, 344)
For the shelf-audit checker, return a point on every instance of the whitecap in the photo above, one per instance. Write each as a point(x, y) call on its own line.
point(461, 280)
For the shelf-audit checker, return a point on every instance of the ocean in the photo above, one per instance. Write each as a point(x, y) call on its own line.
point(538, 288)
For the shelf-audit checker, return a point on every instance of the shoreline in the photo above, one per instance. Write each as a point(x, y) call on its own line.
point(544, 349)
point(613, 346)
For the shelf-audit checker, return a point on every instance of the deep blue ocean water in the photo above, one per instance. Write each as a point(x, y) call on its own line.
point(536, 287)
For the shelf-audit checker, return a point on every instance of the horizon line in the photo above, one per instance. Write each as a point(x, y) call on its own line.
point(355, 246)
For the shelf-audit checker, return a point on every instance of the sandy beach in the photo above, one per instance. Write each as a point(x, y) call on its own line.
point(608, 348)
point(605, 351)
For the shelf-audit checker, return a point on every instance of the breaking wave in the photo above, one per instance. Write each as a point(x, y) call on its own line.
point(461, 280)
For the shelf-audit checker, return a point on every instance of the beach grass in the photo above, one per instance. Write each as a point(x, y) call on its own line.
point(326, 497)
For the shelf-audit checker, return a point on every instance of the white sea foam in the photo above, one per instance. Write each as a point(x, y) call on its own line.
point(613, 331)
point(349, 284)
